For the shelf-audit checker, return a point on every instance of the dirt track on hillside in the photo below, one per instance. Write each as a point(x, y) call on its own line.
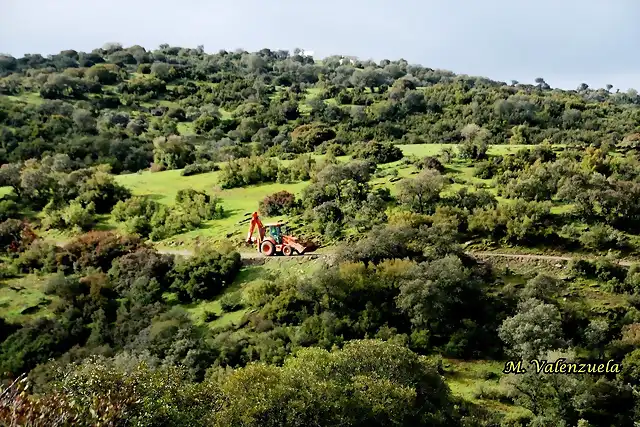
point(243, 255)
point(518, 257)
point(525, 257)
point(255, 255)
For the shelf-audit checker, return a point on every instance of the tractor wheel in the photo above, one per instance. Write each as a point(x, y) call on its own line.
point(267, 248)
point(287, 250)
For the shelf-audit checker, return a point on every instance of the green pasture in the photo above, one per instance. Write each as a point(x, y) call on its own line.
point(478, 382)
point(239, 202)
point(23, 299)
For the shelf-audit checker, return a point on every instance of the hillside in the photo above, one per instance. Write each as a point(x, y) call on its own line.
point(463, 223)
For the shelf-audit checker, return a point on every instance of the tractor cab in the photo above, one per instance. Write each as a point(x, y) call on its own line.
point(275, 231)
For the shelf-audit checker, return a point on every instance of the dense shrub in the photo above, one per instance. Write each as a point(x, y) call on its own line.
point(602, 237)
point(231, 301)
point(198, 168)
point(343, 387)
point(96, 249)
point(199, 203)
point(172, 152)
point(8, 209)
point(472, 200)
point(120, 391)
point(15, 236)
point(306, 137)
point(300, 169)
point(601, 269)
point(377, 152)
point(35, 343)
point(40, 256)
point(205, 275)
point(279, 203)
point(74, 216)
point(148, 218)
point(143, 262)
point(522, 222)
point(248, 171)
point(385, 384)
point(141, 214)
point(430, 162)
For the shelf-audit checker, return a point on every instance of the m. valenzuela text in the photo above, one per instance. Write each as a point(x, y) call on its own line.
point(562, 366)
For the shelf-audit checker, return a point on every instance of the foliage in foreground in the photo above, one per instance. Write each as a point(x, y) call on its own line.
point(366, 383)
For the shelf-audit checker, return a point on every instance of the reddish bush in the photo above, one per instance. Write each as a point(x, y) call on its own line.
point(278, 203)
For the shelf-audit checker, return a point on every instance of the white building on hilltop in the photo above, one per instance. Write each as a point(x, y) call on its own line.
point(348, 60)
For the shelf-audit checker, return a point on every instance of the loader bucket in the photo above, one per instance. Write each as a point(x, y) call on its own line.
point(308, 247)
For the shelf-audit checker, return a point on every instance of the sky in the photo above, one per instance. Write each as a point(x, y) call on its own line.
point(567, 42)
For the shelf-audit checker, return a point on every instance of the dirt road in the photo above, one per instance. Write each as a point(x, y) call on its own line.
point(525, 257)
point(519, 257)
point(243, 255)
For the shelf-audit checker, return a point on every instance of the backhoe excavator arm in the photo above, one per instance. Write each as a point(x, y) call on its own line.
point(255, 223)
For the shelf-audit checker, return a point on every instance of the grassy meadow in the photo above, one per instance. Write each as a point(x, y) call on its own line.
point(239, 202)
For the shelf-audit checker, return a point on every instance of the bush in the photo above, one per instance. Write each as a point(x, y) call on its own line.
point(96, 249)
point(199, 204)
point(74, 216)
point(205, 275)
point(387, 385)
point(248, 171)
point(15, 236)
point(632, 280)
point(198, 168)
point(601, 269)
point(174, 152)
point(280, 203)
point(601, 237)
point(140, 214)
point(150, 219)
point(305, 138)
point(210, 316)
point(430, 162)
point(472, 200)
point(144, 263)
point(377, 152)
point(40, 256)
point(8, 209)
point(298, 170)
point(121, 391)
point(522, 222)
point(485, 170)
point(231, 301)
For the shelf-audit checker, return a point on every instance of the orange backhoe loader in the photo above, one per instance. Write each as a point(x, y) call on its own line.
point(272, 239)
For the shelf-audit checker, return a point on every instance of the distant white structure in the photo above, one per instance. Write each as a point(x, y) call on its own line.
point(348, 60)
point(307, 53)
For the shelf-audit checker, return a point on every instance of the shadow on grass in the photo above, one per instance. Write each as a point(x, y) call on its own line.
point(104, 226)
point(249, 274)
point(154, 196)
point(228, 213)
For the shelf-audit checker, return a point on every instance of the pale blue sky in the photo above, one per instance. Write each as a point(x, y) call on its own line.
point(564, 41)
